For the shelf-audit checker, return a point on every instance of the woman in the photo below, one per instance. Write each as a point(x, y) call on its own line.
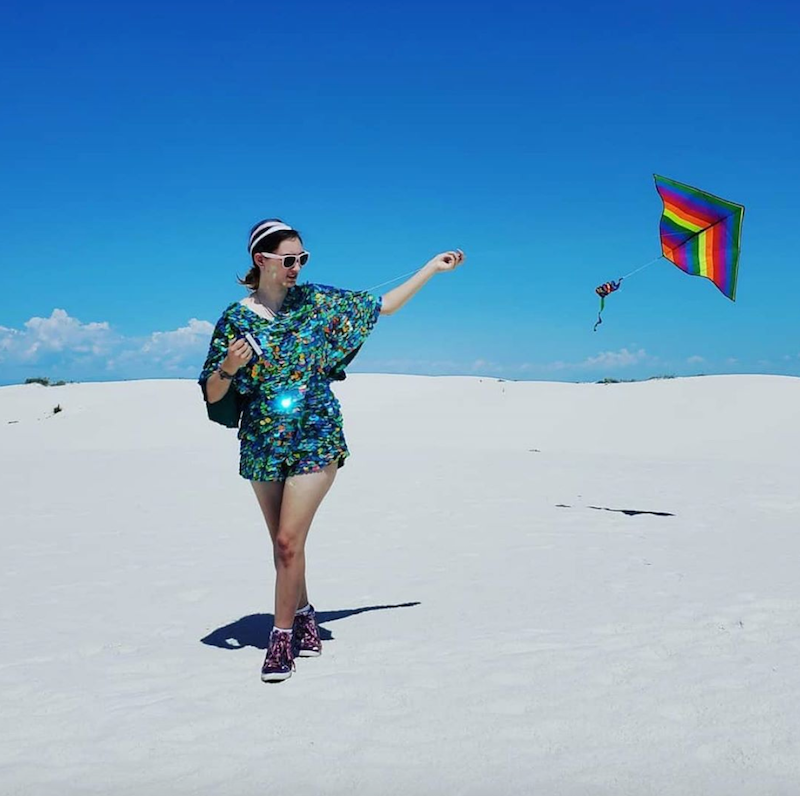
point(279, 349)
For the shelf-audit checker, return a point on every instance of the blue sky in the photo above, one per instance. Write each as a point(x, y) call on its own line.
point(141, 141)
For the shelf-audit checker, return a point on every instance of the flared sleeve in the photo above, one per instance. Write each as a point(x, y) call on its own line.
point(348, 317)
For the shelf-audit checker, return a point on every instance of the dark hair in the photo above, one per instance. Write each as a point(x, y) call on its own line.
point(267, 244)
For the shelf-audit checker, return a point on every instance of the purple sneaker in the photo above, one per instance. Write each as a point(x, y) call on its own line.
point(305, 636)
point(279, 663)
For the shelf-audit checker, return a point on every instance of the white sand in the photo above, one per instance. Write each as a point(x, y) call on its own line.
point(492, 633)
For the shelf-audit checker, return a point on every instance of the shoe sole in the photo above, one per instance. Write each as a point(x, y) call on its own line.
point(309, 654)
point(275, 678)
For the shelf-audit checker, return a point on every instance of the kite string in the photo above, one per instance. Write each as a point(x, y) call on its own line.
point(610, 287)
point(641, 267)
point(416, 270)
point(389, 281)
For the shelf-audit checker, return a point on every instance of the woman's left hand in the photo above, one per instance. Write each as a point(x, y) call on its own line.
point(447, 261)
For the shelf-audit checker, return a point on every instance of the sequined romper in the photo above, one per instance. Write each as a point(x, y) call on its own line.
point(292, 422)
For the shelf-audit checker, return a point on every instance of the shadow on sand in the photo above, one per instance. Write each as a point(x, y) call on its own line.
point(633, 512)
point(254, 630)
point(627, 512)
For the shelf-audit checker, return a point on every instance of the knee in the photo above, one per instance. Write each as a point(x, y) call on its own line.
point(286, 548)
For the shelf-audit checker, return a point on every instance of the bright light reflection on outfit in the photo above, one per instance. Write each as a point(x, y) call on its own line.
point(286, 402)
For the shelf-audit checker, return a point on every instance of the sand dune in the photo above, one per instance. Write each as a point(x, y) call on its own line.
point(524, 588)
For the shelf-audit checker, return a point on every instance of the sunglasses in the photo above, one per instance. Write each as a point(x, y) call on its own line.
point(288, 259)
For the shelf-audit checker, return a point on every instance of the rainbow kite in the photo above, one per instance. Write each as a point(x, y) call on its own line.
point(700, 233)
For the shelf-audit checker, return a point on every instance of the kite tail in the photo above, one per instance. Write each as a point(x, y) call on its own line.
point(604, 290)
point(602, 307)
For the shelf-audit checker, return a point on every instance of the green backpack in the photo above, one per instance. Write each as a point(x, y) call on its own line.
point(228, 410)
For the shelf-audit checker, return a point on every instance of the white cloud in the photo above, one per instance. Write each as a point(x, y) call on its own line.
point(67, 344)
point(605, 360)
point(444, 367)
point(484, 366)
point(180, 339)
point(173, 349)
point(615, 359)
point(409, 365)
point(695, 360)
point(58, 333)
point(7, 339)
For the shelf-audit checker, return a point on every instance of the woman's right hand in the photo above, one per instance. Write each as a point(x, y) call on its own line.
point(239, 354)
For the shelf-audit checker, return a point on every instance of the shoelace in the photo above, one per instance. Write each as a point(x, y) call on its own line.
point(306, 630)
point(280, 651)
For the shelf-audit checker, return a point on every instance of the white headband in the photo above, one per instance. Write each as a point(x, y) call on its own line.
point(261, 232)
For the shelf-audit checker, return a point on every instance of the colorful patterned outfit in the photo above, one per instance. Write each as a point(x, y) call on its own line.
point(292, 422)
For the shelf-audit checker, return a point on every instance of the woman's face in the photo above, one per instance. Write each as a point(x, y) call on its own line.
point(273, 271)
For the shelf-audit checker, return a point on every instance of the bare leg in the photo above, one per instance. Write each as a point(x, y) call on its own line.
point(302, 496)
point(269, 495)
